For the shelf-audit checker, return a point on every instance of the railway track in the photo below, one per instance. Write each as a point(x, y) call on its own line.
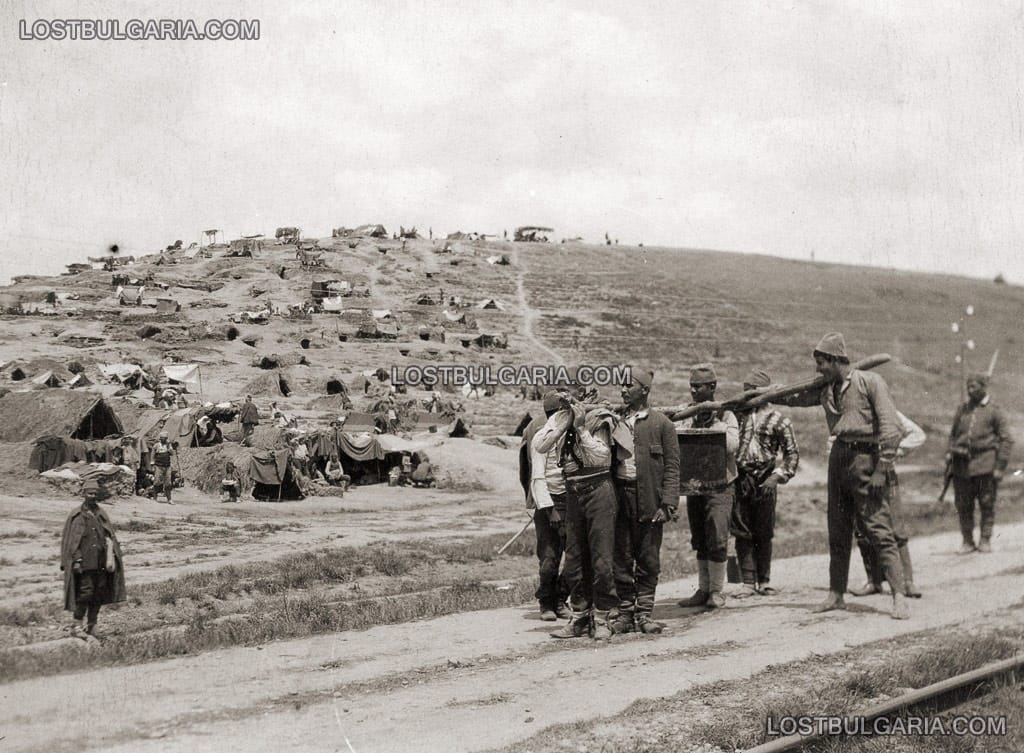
point(943, 695)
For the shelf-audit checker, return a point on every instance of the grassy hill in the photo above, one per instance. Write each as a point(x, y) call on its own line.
point(666, 308)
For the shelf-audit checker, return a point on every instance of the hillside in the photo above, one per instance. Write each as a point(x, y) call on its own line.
point(580, 303)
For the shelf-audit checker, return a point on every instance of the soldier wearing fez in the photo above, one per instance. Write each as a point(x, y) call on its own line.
point(646, 480)
point(90, 557)
point(979, 449)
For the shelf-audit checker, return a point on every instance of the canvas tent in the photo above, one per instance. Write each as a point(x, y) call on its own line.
point(491, 304)
point(47, 379)
point(371, 231)
point(186, 374)
point(271, 474)
point(24, 416)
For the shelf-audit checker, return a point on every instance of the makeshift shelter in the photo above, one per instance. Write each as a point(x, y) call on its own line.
point(167, 306)
point(271, 474)
point(47, 379)
point(496, 259)
point(186, 374)
point(130, 295)
point(332, 305)
point(271, 384)
point(372, 330)
point(531, 233)
point(424, 299)
point(336, 387)
point(371, 231)
point(60, 413)
point(79, 380)
point(441, 424)
point(491, 304)
point(128, 375)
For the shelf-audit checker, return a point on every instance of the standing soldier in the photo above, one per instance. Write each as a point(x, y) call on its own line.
point(862, 418)
point(647, 490)
point(541, 478)
point(764, 435)
point(585, 455)
point(913, 437)
point(709, 510)
point(979, 447)
point(162, 453)
point(90, 557)
point(250, 419)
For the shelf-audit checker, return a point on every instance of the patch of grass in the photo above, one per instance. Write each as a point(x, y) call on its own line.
point(139, 526)
point(19, 534)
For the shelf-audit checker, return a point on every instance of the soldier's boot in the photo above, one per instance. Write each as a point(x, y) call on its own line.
point(547, 613)
point(985, 546)
point(577, 626)
point(908, 574)
point(700, 596)
point(716, 584)
point(600, 626)
point(967, 547)
point(646, 624)
point(623, 622)
point(745, 591)
point(562, 611)
point(900, 610)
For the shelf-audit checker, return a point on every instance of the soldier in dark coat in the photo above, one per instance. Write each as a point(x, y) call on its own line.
point(90, 557)
point(249, 417)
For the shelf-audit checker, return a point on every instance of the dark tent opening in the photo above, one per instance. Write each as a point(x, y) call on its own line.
point(304, 343)
point(283, 384)
point(147, 331)
point(266, 362)
point(232, 333)
point(17, 374)
point(335, 387)
point(75, 367)
point(287, 490)
point(250, 341)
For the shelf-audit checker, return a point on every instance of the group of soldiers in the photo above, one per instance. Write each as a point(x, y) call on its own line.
point(604, 480)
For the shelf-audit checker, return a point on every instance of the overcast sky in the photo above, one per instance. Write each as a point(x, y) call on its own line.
point(865, 132)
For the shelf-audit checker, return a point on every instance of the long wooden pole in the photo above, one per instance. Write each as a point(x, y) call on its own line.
point(754, 398)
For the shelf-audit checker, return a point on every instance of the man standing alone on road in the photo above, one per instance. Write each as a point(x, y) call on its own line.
point(90, 557)
point(979, 447)
point(710, 509)
point(647, 490)
point(764, 435)
point(862, 418)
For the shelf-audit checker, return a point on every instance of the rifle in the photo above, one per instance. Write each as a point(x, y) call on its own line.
point(522, 530)
point(947, 478)
point(754, 398)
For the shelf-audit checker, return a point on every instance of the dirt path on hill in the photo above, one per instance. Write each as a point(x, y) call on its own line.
point(529, 314)
point(479, 680)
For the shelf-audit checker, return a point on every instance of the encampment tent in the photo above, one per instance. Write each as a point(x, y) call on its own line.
point(61, 413)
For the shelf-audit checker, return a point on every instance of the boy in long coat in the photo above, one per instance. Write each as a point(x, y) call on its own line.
point(93, 568)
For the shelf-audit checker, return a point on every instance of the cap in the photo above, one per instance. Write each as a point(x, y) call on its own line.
point(703, 373)
point(757, 378)
point(164, 435)
point(90, 485)
point(552, 401)
point(642, 376)
point(832, 344)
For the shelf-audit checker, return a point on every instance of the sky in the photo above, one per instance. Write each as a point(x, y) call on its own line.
point(860, 131)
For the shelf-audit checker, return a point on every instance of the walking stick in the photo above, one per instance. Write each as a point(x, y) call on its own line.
point(512, 540)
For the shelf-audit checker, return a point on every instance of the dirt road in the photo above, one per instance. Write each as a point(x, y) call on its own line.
point(479, 680)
